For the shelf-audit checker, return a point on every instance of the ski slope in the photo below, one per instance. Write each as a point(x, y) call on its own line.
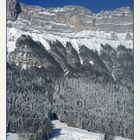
point(63, 132)
point(12, 136)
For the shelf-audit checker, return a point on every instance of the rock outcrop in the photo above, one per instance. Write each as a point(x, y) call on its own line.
point(13, 9)
point(70, 19)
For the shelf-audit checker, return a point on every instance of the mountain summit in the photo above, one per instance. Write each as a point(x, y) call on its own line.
point(74, 38)
point(69, 19)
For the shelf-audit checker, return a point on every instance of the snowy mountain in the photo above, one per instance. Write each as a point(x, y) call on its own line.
point(71, 23)
point(68, 61)
point(64, 33)
point(68, 19)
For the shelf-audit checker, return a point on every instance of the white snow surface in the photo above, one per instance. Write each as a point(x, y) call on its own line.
point(63, 132)
point(120, 138)
point(91, 39)
point(12, 136)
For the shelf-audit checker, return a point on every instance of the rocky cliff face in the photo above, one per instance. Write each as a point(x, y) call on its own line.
point(71, 40)
point(13, 10)
point(70, 18)
point(33, 54)
point(120, 20)
point(108, 65)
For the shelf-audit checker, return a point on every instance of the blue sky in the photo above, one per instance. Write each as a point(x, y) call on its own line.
point(93, 5)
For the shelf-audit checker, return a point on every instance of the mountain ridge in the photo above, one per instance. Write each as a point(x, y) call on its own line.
point(46, 26)
point(71, 63)
point(73, 18)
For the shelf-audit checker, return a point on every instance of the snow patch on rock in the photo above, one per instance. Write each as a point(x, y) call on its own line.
point(90, 39)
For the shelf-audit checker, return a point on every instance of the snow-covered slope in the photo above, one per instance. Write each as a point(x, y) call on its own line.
point(67, 42)
point(12, 136)
point(120, 138)
point(90, 39)
point(62, 132)
point(73, 24)
point(39, 23)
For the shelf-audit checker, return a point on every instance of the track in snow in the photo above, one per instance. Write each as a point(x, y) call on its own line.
point(63, 132)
